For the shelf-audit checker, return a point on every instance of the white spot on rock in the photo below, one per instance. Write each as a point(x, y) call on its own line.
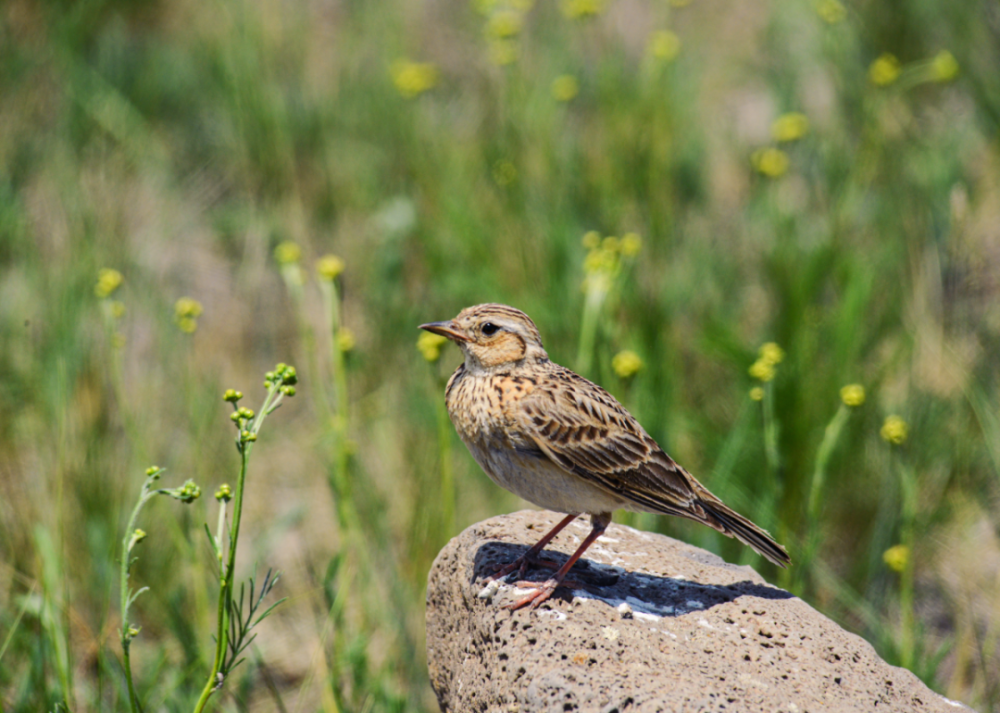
point(489, 590)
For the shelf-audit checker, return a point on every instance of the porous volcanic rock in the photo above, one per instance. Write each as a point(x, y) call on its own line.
point(652, 624)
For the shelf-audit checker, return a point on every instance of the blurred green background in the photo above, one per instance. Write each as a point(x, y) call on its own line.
point(823, 176)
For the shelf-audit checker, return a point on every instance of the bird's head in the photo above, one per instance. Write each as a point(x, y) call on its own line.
point(492, 335)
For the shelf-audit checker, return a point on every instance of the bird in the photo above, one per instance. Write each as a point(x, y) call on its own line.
point(565, 444)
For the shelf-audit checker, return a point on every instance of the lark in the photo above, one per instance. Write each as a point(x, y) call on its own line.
point(565, 444)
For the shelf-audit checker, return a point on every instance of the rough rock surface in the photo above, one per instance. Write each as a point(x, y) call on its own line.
point(652, 624)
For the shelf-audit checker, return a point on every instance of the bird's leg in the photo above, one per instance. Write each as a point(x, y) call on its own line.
point(531, 556)
point(599, 523)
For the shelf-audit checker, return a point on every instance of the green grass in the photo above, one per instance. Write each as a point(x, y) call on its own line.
point(180, 143)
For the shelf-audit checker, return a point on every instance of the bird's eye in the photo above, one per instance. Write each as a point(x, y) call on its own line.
point(489, 329)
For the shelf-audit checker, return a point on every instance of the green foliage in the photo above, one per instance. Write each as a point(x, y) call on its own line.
point(817, 175)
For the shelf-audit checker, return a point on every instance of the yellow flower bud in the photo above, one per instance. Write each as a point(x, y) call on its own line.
point(108, 280)
point(896, 557)
point(345, 340)
point(430, 345)
point(626, 364)
point(187, 307)
point(414, 78)
point(771, 353)
point(884, 70)
point(757, 393)
point(504, 24)
point(287, 253)
point(329, 267)
point(894, 430)
point(944, 66)
point(565, 87)
point(790, 127)
point(664, 45)
point(853, 395)
point(771, 162)
point(630, 244)
point(762, 370)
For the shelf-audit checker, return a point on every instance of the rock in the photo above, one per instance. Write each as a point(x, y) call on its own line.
point(652, 624)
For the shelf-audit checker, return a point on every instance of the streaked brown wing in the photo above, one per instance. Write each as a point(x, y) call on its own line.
point(584, 430)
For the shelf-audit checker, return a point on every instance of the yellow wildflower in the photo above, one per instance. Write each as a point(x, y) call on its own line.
point(664, 45)
point(118, 340)
point(831, 11)
point(287, 253)
point(579, 9)
point(503, 52)
point(430, 345)
point(600, 260)
point(117, 309)
point(414, 78)
point(187, 307)
point(631, 244)
point(186, 313)
point(771, 162)
point(329, 267)
point(853, 395)
point(345, 340)
point(790, 127)
point(757, 393)
point(108, 280)
point(884, 70)
point(610, 244)
point(896, 557)
point(771, 353)
point(762, 370)
point(591, 239)
point(944, 66)
point(894, 430)
point(504, 24)
point(626, 364)
point(565, 87)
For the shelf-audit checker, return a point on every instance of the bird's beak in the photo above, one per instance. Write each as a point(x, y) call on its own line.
point(445, 329)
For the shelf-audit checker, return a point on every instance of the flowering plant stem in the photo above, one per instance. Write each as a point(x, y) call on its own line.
point(187, 493)
point(340, 482)
point(249, 427)
point(127, 597)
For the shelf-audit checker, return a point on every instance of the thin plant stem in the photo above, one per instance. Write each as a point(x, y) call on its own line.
point(831, 435)
point(588, 329)
point(226, 572)
point(339, 480)
point(126, 599)
point(906, 577)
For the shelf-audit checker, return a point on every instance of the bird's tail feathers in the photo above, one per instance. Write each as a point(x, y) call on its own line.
point(730, 522)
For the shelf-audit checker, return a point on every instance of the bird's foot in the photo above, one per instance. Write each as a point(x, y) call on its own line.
point(539, 592)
